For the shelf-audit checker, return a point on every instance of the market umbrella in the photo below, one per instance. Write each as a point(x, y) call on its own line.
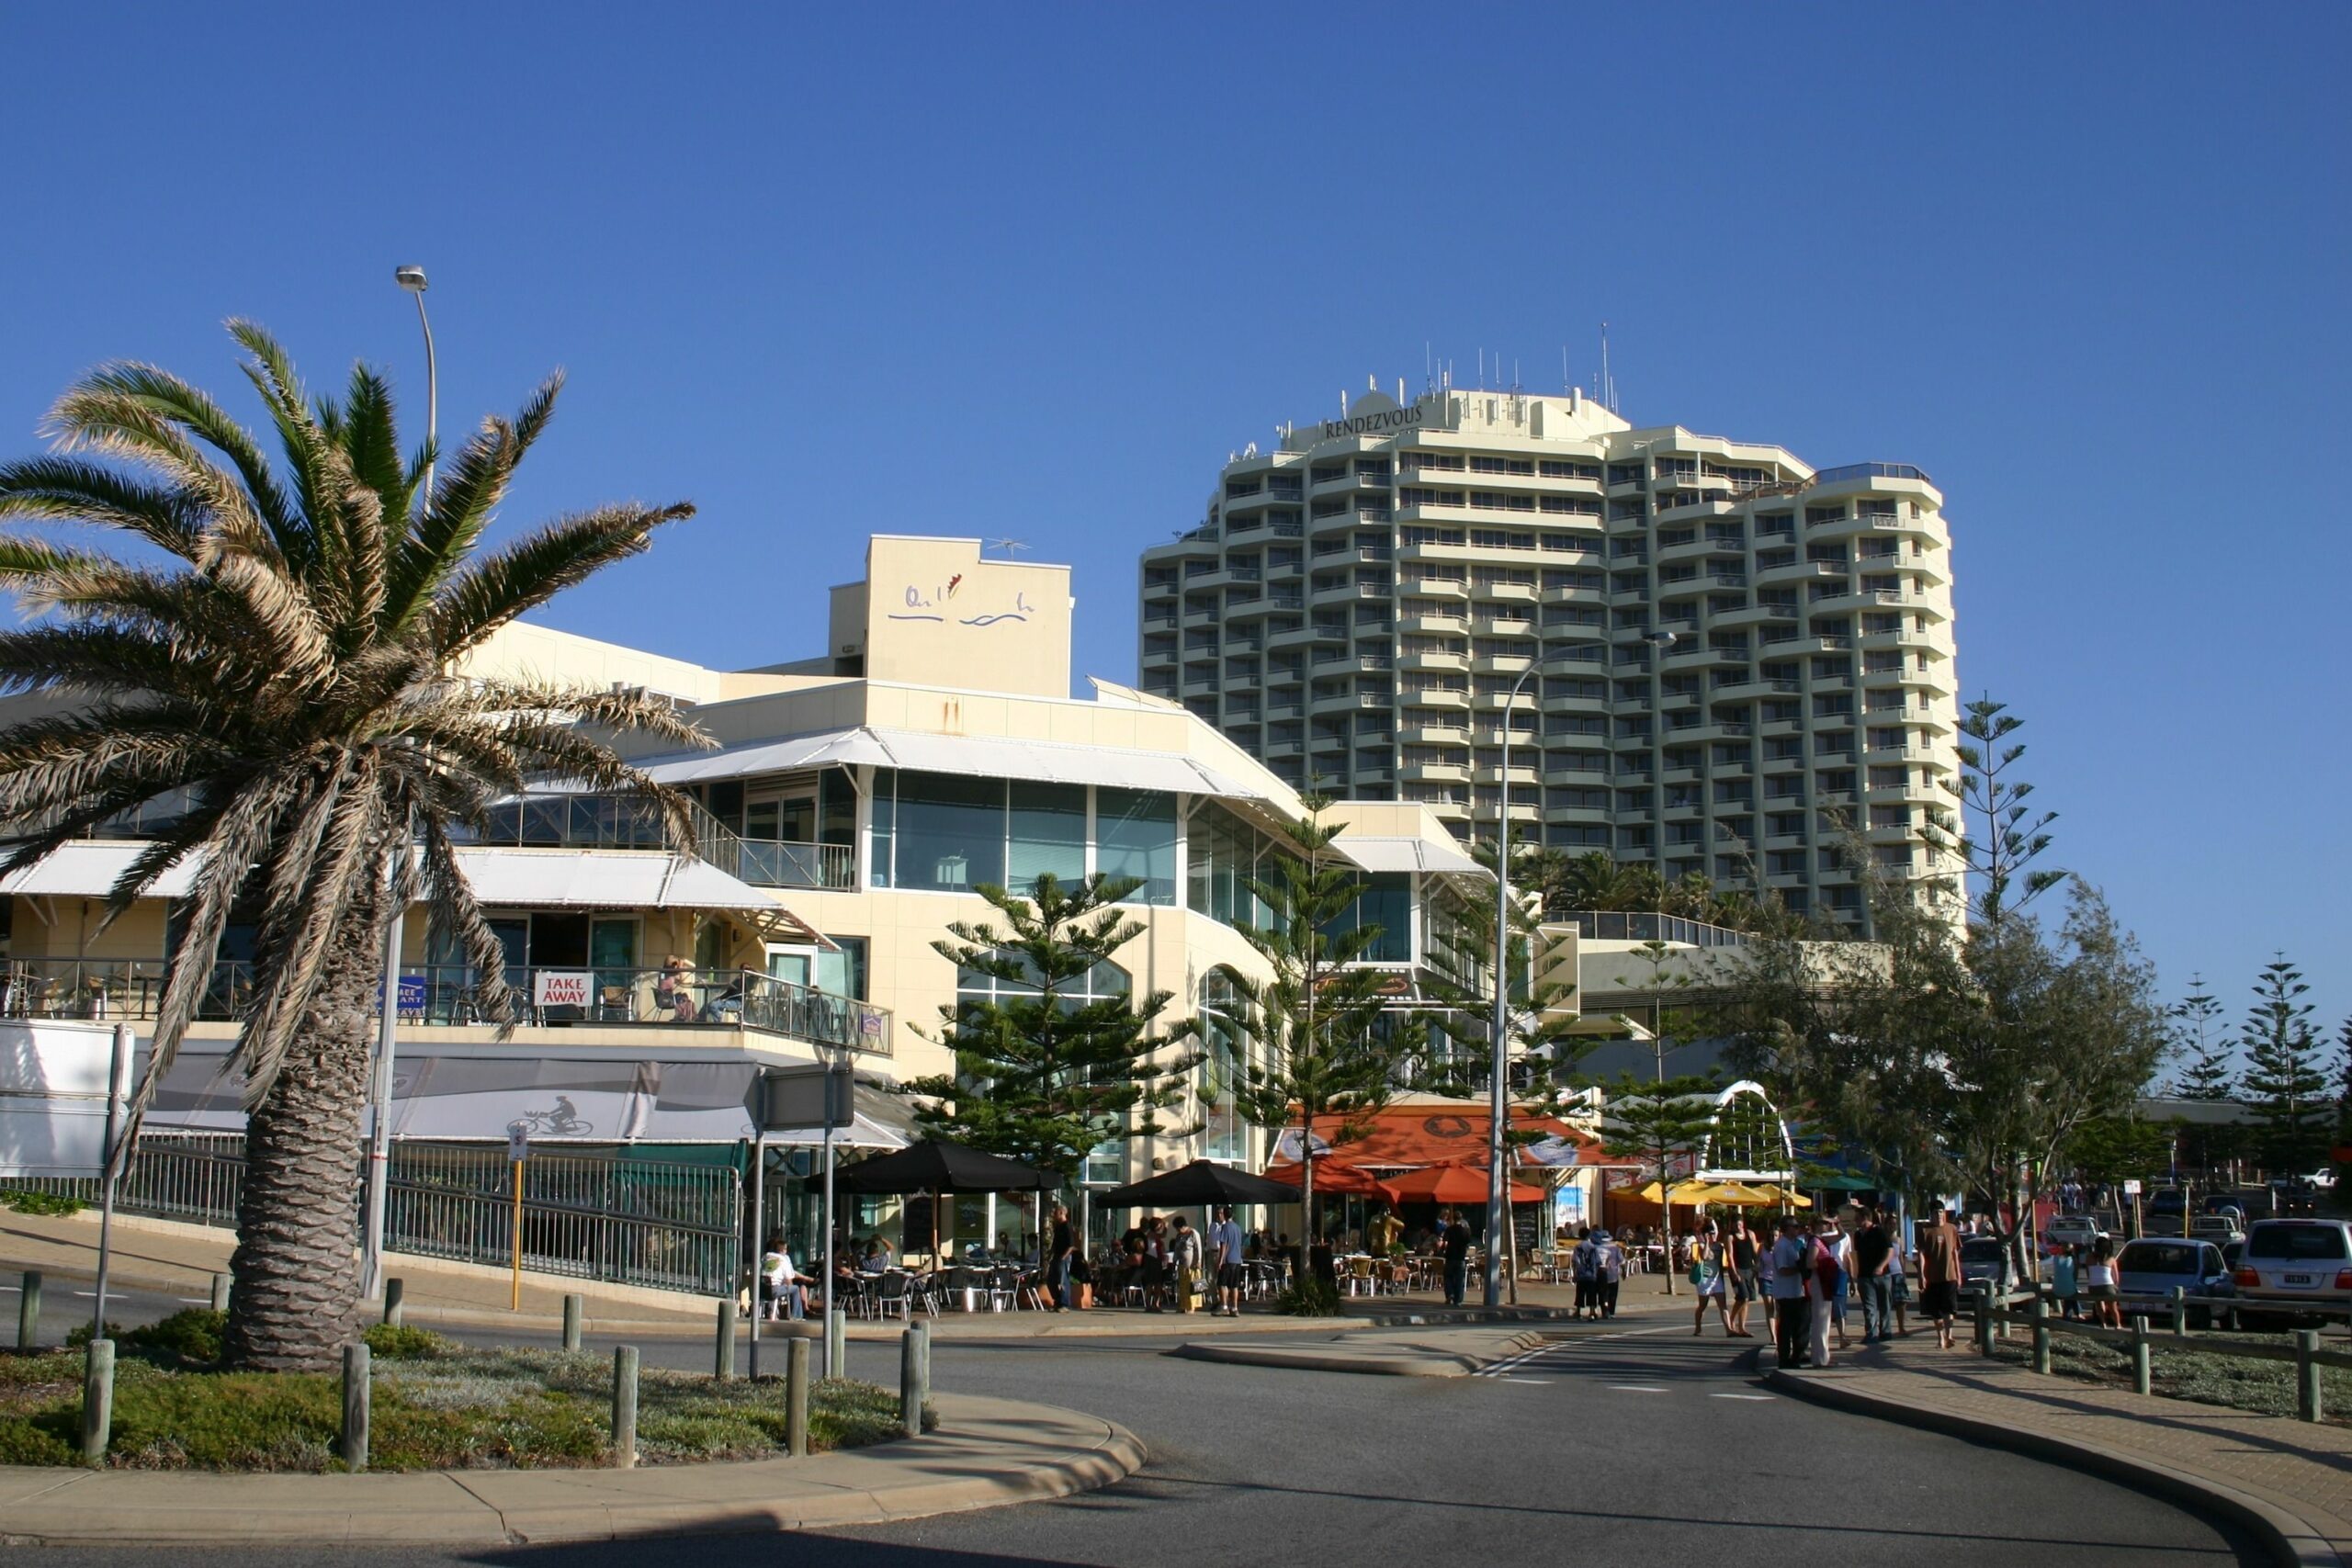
point(1203, 1181)
point(1330, 1176)
point(1684, 1192)
point(1452, 1184)
point(933, 1166)
point(1779, 1196)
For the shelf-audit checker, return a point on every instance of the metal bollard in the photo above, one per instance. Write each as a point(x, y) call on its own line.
point(2179, 1311)
point(219, 1292)
point(1984, 1290)
point(795, 1396)
point(395, 1301)
point(2140, 1370)
point(28, 1312)
point(98, 1401)
point(2307, 1401)
point(836, 1344)
point(723, 1359)
point(355, 1388)
point(572, 1308)
point(914, 1377)
point(625, 1407)
point(2040, 1311)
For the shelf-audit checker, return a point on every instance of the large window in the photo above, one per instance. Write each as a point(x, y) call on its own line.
point(1135, 835)
point(1387, 901)
point(945, 833)
point(1223, 1135)
point(1222, 855)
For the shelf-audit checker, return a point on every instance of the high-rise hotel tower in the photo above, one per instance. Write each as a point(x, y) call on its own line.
point(1741, 662)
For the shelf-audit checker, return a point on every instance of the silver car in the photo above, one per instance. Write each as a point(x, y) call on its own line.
point(2073, 1230)
point(2295, 1266)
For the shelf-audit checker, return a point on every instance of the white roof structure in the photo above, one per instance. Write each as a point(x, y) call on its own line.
point(976, 755)
point(602, 879)
point(1408, 854)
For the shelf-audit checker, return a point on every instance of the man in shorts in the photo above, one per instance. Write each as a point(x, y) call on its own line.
point(1939, 1275)
point(1226, 1253)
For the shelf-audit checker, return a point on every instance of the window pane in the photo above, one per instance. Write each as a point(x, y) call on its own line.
point(1049, 834)
point(1135, 836)
point(950, 832)
point(1386, 902)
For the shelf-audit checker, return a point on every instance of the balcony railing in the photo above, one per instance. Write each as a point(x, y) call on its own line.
point(450, 996)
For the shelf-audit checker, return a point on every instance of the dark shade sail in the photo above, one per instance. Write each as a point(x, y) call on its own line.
point(937, 1167)
point(1203, 1181)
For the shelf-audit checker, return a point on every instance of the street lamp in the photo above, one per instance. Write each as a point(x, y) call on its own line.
point(371, 1268)
point(1498, 1098)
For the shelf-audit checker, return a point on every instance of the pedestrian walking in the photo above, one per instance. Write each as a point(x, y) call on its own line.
point(1874, 1270)
point(1228, 1253)
point(1613, 1272)
point(1707, 1279)
point(2065, 1279)
point(1824, 1291)
point(1584, 1266)
point(1457, 1258)
point(1740, 1260)
point(1939, 1275)
point(1792, 1261)
point(1185, 1260)
point(1060, 1248)
point(1841, 1247)
point(2100, 1285)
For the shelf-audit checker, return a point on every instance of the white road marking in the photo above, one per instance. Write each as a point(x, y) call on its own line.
point(1635, 1388)
point(1763, 1396)
point(1538, 1383)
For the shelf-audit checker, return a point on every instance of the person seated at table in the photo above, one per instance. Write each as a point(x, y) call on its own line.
point(783, 1288)
point(876, 1255)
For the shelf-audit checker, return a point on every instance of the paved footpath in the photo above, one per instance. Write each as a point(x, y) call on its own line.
point(2290, 1481)
point(986, 1452)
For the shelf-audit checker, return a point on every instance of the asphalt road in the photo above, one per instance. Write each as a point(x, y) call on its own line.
point(1643, 1446)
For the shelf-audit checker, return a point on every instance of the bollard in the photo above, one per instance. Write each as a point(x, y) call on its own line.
point(2139, 1372)
point(395, 1301)
point(571, 1305)
point(28, 1312)
point(355, 1381)
point(219, 1292)
point(2040, 1311)
point(795, 1396)
point(2179, 1311)
point(723, 1358)
point(914, 1377)
point(1984, 1318)
point(625, 1407)
point(836, 1344)
point(98, 1401)
point(2307, 1404)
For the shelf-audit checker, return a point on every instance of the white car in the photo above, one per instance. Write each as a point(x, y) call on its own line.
point(2296, 1265)
point(2219, 1229)
point(2073, 1230)
point(2324, 1180)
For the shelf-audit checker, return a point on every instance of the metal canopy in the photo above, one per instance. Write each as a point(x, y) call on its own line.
point(1049, 762)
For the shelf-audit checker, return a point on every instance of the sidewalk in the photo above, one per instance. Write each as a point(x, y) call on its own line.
point(986, 1452)
point(2289, 1481)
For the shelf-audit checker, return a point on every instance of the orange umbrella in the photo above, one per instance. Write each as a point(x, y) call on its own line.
point(1330, 1176)
point(1452, 1184)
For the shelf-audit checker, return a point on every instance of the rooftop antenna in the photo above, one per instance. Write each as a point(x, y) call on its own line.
point(1608, 385)
point(1565, 385)
point(1010, 546)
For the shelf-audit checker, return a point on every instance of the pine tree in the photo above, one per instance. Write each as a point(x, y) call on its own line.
point(1055, 1066)
point(1662, 1123)
point(2284, 1080)
point(2207, 1055)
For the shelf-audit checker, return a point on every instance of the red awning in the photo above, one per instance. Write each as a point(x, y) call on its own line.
point(1452, 1184)
point(1437, 1133)
point(1331, 1176)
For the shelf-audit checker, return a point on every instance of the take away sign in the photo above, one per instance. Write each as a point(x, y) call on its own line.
point(559, 988)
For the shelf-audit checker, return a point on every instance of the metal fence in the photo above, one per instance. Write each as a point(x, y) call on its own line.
point(673, 1227)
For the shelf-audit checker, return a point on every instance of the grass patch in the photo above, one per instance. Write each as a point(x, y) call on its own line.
point(436, 1405)
point(2266, 1388)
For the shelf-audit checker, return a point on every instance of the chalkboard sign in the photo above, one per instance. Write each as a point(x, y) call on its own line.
point(916, 1234)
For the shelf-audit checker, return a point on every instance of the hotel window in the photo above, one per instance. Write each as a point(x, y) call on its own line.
point(1134, 832)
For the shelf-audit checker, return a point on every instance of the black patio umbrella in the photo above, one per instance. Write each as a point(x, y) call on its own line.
point(937, 1167)
point(1203, 1181)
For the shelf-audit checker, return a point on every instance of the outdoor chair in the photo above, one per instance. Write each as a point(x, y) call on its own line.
point(1004, 1288)
point(1361, 1280)
point(894, 1293)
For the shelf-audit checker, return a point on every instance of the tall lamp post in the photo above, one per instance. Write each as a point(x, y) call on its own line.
point(371, 1273)
point(1499, 1095)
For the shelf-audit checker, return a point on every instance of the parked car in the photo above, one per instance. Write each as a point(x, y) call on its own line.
point(1981, 1258)
point(2220, 1229)
point(2224, 1204)
point(2148, 1269)
point(2231, 1253)
point(2073, 1230)
point(2166, 1202)
point(2325, 1180)
point(2297, 1267)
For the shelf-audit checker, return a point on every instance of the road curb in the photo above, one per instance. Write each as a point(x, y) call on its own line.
point(987, 1453)
point(2291, 1541)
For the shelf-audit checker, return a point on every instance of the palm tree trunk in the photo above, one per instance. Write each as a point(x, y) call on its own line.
point(296, 1267)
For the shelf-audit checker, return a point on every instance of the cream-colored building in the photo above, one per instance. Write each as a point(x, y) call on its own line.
point(1361, 598)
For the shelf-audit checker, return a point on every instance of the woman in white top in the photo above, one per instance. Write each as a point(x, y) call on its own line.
point(781, 1284)
point(2100, 1285)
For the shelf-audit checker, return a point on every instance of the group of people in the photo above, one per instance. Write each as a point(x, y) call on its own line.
point(2084, 1280)
point(1808, 1279)
point(1597, 1263)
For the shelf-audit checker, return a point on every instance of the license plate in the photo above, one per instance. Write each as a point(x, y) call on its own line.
point(2298, 1279)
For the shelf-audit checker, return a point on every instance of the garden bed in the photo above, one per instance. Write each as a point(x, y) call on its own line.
point(436, 1406)
point(2264, 1387)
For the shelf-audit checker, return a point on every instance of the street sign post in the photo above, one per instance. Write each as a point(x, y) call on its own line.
point(518, 1149)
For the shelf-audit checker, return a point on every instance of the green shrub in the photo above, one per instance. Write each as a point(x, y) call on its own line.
point(42, 1203)
point(190, 1335)
point(1309, 1297)
point(78, 1336)
point(399, 1342)
point(21, 1442)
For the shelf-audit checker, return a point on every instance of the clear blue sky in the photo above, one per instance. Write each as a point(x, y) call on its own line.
point(1034, 271)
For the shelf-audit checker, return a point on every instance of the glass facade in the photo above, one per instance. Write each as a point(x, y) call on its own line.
point(942, 833)
point(1223, 1050)
point(1222, 855)
point(1134, 833)
point(1386, 902)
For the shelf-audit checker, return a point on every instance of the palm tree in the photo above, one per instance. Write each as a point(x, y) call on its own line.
point(289, 676)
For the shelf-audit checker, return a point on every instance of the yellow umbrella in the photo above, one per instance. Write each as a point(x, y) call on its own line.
point(1775, 1195)
point(1739, 1195)
point(1684, 1192)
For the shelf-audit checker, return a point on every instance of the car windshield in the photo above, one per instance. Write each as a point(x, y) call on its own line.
point(2296, 1241)
point(2160, 1257)
point(1981, 1250)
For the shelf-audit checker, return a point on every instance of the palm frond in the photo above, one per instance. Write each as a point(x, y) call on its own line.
point(499, 588)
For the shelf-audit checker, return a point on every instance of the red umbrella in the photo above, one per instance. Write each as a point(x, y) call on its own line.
point(1332, 1177)
point(1453, 1184)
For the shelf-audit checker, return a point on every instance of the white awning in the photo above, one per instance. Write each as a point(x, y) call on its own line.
point(980, 756)
point(1408, 854)
point(604, 879)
